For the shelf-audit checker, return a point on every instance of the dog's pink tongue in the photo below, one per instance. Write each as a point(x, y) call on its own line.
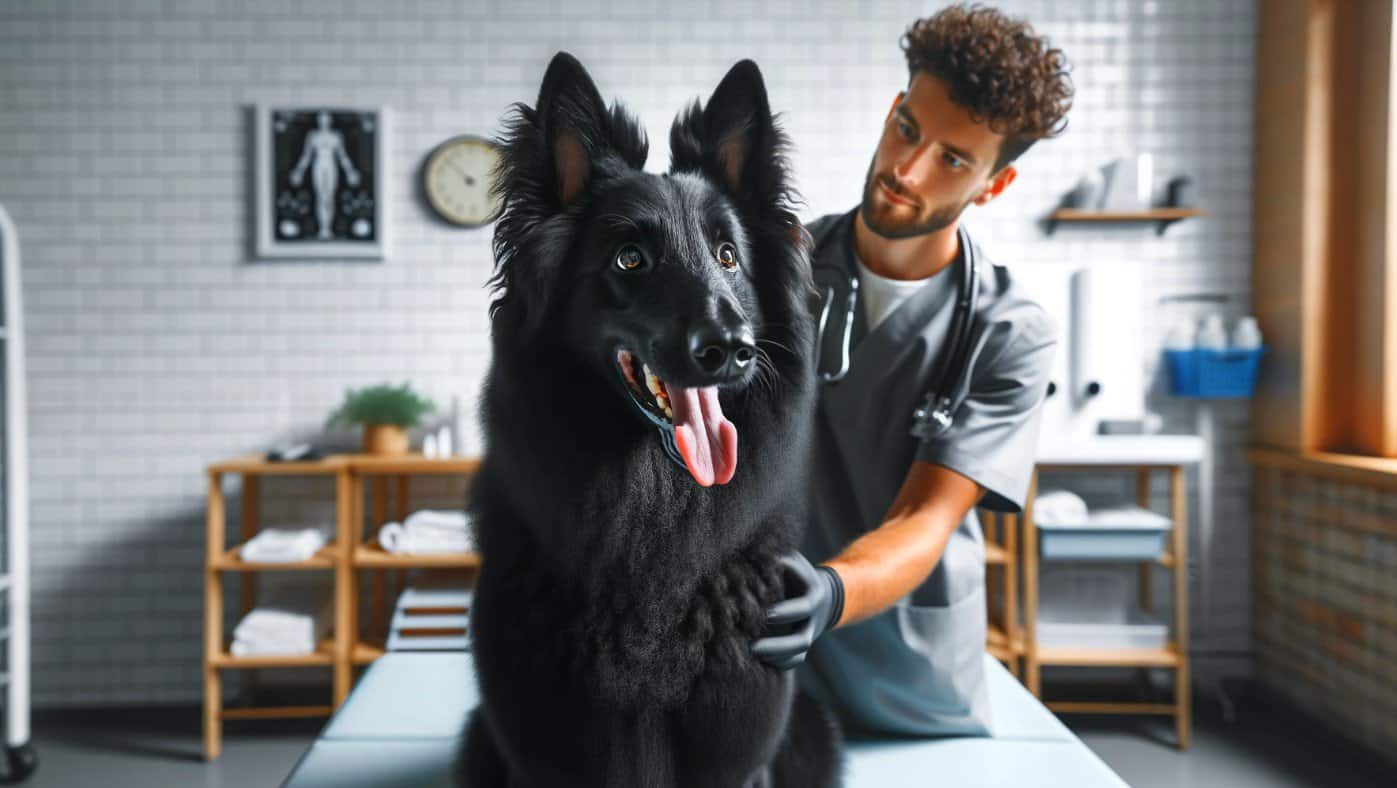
point(706, 439)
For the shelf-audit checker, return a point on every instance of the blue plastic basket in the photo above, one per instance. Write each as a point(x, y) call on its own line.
point(1214, 374)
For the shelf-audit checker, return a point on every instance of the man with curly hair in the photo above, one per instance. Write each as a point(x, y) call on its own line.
point(894, 618)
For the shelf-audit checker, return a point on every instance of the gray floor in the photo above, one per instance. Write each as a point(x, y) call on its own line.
point(1254, 752)
point(118, 749)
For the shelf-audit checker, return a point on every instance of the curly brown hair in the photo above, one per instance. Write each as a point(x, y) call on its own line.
point(998, 69)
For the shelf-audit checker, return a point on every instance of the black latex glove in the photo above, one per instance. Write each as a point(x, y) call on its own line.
point(819, 605)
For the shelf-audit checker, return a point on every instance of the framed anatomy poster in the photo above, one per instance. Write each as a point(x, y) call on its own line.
point(321, 182)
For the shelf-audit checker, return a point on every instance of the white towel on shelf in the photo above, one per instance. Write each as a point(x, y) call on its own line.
point(291, 619)
point(426, 532)
point(435, 520)
point(1059, 507)
point(284, 544)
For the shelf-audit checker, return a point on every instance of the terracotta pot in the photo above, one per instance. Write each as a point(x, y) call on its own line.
point(384, 439)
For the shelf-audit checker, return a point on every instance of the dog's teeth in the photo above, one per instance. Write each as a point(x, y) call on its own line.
point(657, 390)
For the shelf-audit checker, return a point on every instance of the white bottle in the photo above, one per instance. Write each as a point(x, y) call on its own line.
point(1246, 335)
point(1211, 334)
point(444, 441)
point(1180, 336)
point(429, 446)
point(458, 426)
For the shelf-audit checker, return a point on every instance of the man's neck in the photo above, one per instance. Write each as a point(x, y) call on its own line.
point(917, 257)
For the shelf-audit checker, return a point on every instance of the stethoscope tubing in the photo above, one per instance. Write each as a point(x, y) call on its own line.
point(934, 415)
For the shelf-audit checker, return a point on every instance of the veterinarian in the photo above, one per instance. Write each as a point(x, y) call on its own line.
point(891, 624)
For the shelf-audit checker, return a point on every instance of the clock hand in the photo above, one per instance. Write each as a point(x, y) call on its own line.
point(469, 178)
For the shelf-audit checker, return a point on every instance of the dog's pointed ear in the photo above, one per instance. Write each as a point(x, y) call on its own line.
point(574, 122)
point(731, 137)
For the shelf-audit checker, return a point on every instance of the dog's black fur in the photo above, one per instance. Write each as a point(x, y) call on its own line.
point(618, 598)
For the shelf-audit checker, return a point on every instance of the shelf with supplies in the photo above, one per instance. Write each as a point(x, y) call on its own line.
point(1173, 653)
point(232, 561)
point(322, 657)
point(346, 555)
point(371, 555)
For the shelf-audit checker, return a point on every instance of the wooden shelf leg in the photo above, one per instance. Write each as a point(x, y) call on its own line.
point(1183, 684)
point(1032, 670)
point(1008, 532)
point(346, 487)
point(213, 618)
point(251, 517)
point(380, 512)
point(1142, 499)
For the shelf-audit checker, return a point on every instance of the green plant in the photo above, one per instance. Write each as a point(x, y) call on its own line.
point(382, 404)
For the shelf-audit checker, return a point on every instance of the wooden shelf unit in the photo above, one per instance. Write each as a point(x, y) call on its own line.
point(1173, 656)
point(346, 556)
point(353, 552)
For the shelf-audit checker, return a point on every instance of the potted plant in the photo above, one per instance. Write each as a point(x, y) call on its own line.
point(386, 412)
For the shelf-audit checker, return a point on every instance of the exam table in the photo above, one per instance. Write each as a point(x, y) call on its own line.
point(402, 724)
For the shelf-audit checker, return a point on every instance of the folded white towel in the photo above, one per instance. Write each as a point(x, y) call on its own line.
point(254, 624)
point(433, 519)
point(398, 538)
point(291, 618)
point(1059, 507)
point(283, 545)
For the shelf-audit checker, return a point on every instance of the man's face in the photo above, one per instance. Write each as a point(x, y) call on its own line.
point(931, 162)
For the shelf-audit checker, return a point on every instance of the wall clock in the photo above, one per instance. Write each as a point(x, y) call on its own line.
point(456, 180)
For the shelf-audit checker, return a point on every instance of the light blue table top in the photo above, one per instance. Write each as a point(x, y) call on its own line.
point(385, 734)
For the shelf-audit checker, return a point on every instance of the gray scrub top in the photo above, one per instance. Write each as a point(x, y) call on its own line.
point(918, 667)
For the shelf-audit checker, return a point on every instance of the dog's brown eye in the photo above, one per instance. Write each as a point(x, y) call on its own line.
point(629, 258)
point(727, 255)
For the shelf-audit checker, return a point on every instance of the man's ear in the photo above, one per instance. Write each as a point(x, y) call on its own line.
point(731, 137)
point(998, 183)
point(573, 120)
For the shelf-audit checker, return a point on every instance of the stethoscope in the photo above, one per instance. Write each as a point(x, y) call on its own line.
point(933, 417)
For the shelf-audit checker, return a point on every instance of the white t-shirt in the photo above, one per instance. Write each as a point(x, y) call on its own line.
point(881, 295)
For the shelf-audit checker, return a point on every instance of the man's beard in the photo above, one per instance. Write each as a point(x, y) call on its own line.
point(939, 219)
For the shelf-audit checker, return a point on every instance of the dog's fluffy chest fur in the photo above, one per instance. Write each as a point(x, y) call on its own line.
point(649, 641)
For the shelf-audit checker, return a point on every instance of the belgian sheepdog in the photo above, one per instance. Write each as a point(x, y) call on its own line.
point(646, 416)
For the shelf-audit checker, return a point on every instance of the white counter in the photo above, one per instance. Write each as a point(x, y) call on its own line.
point(1125, 450)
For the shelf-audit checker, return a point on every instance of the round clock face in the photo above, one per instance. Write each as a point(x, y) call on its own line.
point(457, 180)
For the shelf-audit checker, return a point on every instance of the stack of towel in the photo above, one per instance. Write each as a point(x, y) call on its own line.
point(278, 545)
point(1059, 507)
point(428, 531)
point(291, 619)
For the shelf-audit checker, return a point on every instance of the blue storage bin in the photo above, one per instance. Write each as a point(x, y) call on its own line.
point(1214, 373)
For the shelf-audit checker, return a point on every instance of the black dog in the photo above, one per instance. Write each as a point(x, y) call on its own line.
point(646, 416)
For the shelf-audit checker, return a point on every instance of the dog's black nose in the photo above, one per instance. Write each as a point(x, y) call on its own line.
point(721, 351)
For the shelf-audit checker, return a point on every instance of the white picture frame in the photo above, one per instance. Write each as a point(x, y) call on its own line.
point(314, 162)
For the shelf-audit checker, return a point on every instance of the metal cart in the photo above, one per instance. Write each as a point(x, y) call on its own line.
point(19, 759)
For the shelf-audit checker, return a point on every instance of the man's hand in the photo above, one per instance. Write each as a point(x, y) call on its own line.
point(818, 606)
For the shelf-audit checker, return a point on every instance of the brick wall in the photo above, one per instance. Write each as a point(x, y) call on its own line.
point(157, 347)
point(1324, 615)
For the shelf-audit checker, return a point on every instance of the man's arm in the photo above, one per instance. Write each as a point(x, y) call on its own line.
point(889, 562)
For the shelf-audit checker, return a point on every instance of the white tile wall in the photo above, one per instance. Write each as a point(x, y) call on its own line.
point(157, 347)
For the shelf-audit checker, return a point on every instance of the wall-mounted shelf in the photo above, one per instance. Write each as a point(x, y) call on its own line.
point(1162, 216)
